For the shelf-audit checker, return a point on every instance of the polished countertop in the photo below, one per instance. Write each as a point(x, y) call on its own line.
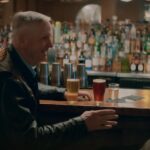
point(119, 74)
point(130, 102)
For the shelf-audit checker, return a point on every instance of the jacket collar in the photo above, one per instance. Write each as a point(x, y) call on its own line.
point(21, 66)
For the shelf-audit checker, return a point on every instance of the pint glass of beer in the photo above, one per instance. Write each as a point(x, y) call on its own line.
point(99, 86)
point(73, 86)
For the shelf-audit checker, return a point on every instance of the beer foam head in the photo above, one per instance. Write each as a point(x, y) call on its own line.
point(73, 80)
point(99, 81)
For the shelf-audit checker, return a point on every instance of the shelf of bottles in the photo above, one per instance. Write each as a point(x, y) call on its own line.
point(5, 36)
point(121, 47)
point(106, 47)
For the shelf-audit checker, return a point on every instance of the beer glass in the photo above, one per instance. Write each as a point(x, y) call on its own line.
point(73, 86)
point(99, 86)
point(113, 90)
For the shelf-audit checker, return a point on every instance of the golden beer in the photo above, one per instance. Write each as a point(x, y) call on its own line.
point(73, 85)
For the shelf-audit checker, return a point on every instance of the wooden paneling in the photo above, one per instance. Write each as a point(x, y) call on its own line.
point(6, 11)
point(108, 8)
point(133, 10)
point(67, 11)
point(62, 11)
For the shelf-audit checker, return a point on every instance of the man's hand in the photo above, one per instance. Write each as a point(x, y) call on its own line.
point(81, 95)
point(99, 119)
point(85, 95)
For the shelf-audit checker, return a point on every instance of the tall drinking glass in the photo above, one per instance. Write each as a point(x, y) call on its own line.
point(113, 89)
point(73, 86)
point(99, 86)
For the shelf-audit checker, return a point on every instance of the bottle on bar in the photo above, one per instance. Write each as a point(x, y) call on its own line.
point(141, 66)
point(116, 64)
point(88, 63)
point(133, 66)
point(125, 66)
point(95, 59)
point(103, 56)
point(148, 64)
point(148, 44)
point(66, 57)
point(73, 58)
point(81, 59)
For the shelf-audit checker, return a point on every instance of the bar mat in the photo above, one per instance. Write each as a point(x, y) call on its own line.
point(125, 99)
point(119, 100)
point(133, 97)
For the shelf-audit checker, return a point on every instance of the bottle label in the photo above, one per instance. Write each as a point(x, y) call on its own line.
point(133, 67)
point(95, 61)
point(140, 67)
point(88, 63)
point(65, 61)
point(102, 62)
point(148, 68)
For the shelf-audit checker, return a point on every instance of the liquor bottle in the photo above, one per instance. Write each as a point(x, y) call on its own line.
point(73, 59)
point(116, 64)
point(91, 37)
point(137, 58)
point(103, 57)
point(108, 65)
point(66, 54)
point(133, 32)
point(57, 32)
point(81, 59)
point(138, 42)
point(60, 53)
point(88, 63)
point(126, 45)
point(95, 62)
point(66, 58)
point(140, 67)
point(125, 63)
point(133, 66)
point(148, 64)
point(148, 45)
point(65, 28)
point(95, 59)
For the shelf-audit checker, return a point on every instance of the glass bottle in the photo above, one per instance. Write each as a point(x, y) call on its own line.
point(148, 64)
point(81, 59)
point(125, 64)
point(88, 63)
point(133, 66)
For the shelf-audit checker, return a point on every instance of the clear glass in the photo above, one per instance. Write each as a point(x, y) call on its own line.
point(113, 91)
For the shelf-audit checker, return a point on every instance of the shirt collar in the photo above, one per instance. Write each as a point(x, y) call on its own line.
point(29, 67)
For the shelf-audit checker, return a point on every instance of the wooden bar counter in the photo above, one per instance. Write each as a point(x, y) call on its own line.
point(133, 127)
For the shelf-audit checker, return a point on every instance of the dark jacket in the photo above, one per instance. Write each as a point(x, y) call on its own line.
point(19, 96)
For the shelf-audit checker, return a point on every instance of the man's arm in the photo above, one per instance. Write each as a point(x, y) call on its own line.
point(51, 92)
point(19, 125)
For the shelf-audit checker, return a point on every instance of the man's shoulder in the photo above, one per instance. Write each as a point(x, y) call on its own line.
point(5, 75)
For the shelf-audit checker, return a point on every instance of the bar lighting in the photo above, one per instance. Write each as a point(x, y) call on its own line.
point(73, 0)
point(4, 1)
point(126, 0)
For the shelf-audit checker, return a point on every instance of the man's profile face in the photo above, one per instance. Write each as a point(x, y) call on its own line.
point(39, 39)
